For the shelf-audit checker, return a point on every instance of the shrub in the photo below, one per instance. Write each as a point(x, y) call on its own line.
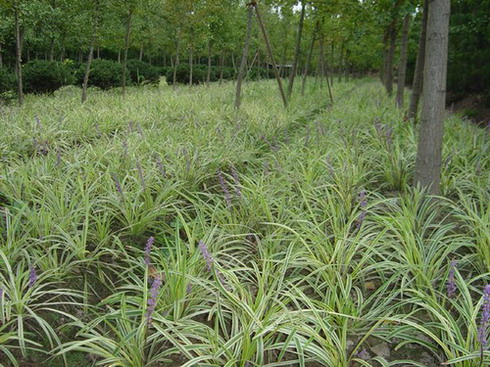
point(40, 76)
point(141, 72)
point(104, 74)
point(7, 80)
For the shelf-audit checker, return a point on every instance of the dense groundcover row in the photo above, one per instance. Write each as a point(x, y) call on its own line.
point(163, 229)
point(40, 76)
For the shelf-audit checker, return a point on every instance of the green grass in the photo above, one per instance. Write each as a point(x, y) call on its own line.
point(302, 273)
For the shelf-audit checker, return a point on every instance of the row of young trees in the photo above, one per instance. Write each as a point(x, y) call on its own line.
point(340, 36)
point(345, 35)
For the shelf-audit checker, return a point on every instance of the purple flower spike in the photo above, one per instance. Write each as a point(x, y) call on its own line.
point(140, 174)
point(362, 204)
point(118, 185)
point(149, 245)
point(485, 318)
point(152, 300)
point(1, 293)
point(451, 282)
point(234, 174)
point(32, 276)
point(206, 255)
point(224, 187)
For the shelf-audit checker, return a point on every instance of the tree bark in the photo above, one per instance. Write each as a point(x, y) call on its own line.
point(141, 53)
point(308, 61)
point(208, 76)
point(91, 53)
point(297, 50)
point(271, 55)
point(418, 77)
point(324, 68)
point(402, 68)
point(18, 54)
point(51, 50)
point(243, 63)
point(191, 65)
point(390, 54)
point(177, 60)
point(341, 61)
point(126, 49)
point(221, 66)
point(429, 151)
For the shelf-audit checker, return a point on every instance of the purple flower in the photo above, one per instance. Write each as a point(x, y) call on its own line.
point(38, 122)
point(149, 245)
point(160, 166)
point(451, 282)
point(206, 255)
point(362, 204)
point(140, 174)
point(118, 185)
point(485, 318)
point(234, 174)
point(224, 187)
point(152, 300)
point(32, 276)
point(188, 288)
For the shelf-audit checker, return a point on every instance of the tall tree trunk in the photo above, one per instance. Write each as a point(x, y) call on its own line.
point(390, 55)
point(243, 63)
point(418, 77)
point(141, 53)
point(119, 56)
point(221, 66)
point(297, 50)
point(191, 65)
point(177, 60)
point(324, 68)
point(271, 54)
point(51, 50)
point(402, 68)
point(208, 76)
point(429, 150)
point(126, 49)
point(18, 54)
point(333, 58)
point(341, 61)
point(98, 52)
point(91, 53)
point(308, 61)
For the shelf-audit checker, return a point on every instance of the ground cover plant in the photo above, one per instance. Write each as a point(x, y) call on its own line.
point(166, 229)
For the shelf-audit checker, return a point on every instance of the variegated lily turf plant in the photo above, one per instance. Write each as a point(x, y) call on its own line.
point(166, 229)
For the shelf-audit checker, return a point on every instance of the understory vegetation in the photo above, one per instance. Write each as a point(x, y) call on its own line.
point(166, 229)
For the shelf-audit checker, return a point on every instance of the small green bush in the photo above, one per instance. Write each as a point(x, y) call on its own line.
point(141, 72)
point(40, 76)
point(104, 74)
point(7, 80)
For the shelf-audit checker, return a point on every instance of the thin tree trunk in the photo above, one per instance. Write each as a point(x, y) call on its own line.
point(208, 76)
point(418, 77)
point(241, 72)
point(91, 53)
point(324, 68)
point(51, 50)
point(177, 60)
point(341, 61)
point(191, 65)
point(18, 55)
point(98, 52)
point(222, 67)
point(126, 49)
point(402, 68)
point(297, 50)
point(271, 55)
point(390, 54)
point(141, 53)
point(331, 69)
point(308, 62)
point(119, 56)
point(1, 55)
point(429, 151)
